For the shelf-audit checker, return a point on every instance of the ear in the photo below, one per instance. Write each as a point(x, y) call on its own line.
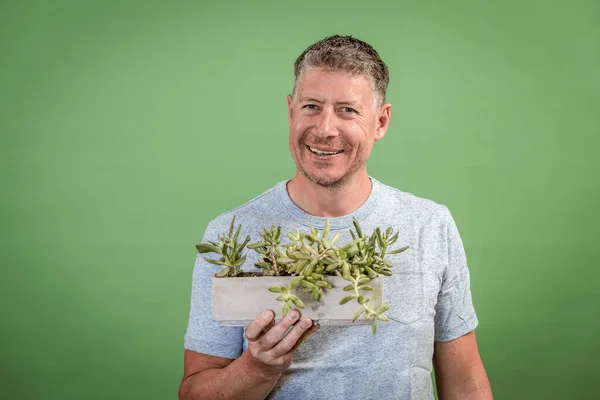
point(290, 103)
point(383, 120)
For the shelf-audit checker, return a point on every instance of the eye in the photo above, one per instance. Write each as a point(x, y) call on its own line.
point(349, 110)
point(310, 106)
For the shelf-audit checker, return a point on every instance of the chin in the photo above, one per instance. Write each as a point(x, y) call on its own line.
point(328, 181)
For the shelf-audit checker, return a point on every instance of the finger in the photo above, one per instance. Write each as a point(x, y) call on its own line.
point(261, 323)
point(277, 332)
point(306, 334)
point(268, 327)
point(292, 338)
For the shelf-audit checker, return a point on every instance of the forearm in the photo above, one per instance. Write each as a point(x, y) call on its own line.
point(476, 387)
point(475, 393)
point(238, 380)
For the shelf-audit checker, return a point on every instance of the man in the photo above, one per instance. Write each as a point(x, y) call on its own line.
point(336, 113)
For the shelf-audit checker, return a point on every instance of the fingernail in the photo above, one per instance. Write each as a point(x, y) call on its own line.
point(293, 315)
point(266, 314)
point(306, 323)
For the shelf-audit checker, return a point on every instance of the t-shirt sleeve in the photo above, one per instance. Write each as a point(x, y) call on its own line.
point(455, 315)
point(203, 334)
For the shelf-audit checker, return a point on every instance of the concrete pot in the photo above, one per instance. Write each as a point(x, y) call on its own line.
point(239, 300)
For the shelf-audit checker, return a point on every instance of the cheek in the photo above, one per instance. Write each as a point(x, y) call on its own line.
point(364, 125)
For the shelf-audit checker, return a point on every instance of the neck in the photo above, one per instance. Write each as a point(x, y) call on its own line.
point(329, 202)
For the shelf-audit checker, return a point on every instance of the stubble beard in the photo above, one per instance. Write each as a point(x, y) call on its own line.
point(330, 182)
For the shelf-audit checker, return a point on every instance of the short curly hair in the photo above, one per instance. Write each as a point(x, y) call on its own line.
point(345, 53)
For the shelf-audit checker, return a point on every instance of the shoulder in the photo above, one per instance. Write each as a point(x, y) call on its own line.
point(393, 200)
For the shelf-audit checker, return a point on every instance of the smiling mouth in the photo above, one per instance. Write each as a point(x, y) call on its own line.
point(323, 152)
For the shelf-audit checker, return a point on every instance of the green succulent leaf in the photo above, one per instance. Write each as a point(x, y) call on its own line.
point(335, 238)
point(237, 233)
point(332, 267)
point(310, 267)
point(358, 314)
point(400, 250)
point(309, 285)
point(295, 281)
point(370, 272)
point(297, 301)
point(301, 256)
point(357, 227)
point(239, 262)
point(207, 248)
point(231, 226)
point(316, 295)
point(326, 230)
point(285, 260)
point(352, 251)
point(216, 262)
point(380, 241)
point(347, 299)
point(382, 308)
point(383, 317)
point(345, 269)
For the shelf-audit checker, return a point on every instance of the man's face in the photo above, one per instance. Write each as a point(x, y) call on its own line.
point(333, 125)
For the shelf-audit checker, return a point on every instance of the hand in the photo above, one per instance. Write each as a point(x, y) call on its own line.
point(269, 348)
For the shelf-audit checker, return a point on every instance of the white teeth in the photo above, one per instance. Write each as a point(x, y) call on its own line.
point(323, 153)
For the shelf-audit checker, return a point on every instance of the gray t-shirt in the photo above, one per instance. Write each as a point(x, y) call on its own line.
point(428, 294)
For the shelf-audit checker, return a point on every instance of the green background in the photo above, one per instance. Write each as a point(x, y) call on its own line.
point(127, 126)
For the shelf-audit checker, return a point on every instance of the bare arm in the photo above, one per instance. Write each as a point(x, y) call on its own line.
point(459, 372)
point(255, 372)
point(222, 378)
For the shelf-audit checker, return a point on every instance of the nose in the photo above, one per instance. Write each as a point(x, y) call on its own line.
point(326, 123)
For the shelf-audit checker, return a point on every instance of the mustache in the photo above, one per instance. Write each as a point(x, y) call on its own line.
point(312, 139)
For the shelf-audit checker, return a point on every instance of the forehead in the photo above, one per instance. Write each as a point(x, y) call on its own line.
point(335, 86)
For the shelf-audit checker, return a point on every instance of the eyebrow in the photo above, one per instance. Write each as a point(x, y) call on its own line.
point(337, 103)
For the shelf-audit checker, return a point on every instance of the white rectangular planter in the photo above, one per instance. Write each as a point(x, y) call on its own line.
point(237, 301)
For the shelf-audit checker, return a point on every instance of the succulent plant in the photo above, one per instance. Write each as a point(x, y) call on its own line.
point(230, 250)
point(309, 258)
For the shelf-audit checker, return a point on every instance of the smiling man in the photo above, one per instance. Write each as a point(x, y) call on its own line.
point(336, 113)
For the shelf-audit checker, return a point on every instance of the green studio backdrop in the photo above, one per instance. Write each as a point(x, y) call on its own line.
point(127, 126)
